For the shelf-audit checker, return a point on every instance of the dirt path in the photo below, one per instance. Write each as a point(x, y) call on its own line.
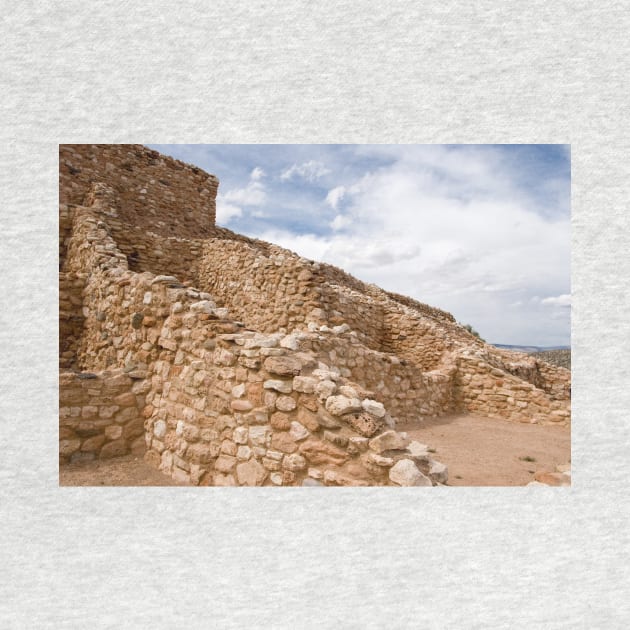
point(489, 452)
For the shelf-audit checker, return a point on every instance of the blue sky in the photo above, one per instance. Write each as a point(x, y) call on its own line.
point(482, 231)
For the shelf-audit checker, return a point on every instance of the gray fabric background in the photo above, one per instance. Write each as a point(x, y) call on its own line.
point(395, 72)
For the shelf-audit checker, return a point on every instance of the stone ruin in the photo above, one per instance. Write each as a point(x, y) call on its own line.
point(230, 361)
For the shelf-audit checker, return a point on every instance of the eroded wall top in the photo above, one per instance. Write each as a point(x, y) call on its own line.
point(156, 192)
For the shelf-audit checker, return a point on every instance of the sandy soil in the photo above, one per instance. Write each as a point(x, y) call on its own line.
point(478, 452)
point(130, 470)
point(489, 452)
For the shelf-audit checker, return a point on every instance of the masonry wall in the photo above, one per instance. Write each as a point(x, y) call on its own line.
point(100, 415)
point(156, 192)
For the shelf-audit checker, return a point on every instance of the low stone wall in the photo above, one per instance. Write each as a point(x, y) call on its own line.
point(244, 408)
point(492, 392)
point(100, 415)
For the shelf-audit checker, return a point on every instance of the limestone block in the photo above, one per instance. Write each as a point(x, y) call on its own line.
point(240, 435)
point(319, 452)
point(294, 462)
point(276, 478)
point(225, 464)
point(406, 473)
point(438, 472)
point(341, 405)
point(284, 387)
point(374, 408)
point(283, 441)
point(389, 440)
point(285, 403)
point(324, 389)
point(304, 384)
point(283, 365)
point(364, 423)
point(250, 473)
point(241, 405)
point(159, 428)
point(298, 432)
point(379, 460)
point(260, 435)
point(243, 453)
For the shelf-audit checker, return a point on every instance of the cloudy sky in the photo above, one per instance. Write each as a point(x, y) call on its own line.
point(482, 231)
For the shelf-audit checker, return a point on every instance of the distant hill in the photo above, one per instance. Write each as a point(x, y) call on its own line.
point(530, 348)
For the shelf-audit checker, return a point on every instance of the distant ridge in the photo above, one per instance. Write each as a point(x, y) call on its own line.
point(530, 348)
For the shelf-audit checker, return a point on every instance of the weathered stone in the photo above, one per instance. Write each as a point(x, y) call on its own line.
point(294, 462)
point(379, 460)
point(243, 453)
point(225, 464)
point(325, 420)
point(283, 387)
point(406, 473)
point(285, 403)
point(323, 453)
point(304, 384)
point(240, 435)
point(438, 472)
point(389, 440)
point(364, 423)
point(417, 449)
point(259, 435)
point(374, 408)
point(284, 442)
point(250, 473)
point(283, 365)
point(298, 432)
point(241, 405)
point(336, 439)
point(280, 421)
point(341, 405)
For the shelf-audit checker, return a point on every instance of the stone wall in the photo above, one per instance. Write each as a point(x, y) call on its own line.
point(100, 415)
point(155, 191)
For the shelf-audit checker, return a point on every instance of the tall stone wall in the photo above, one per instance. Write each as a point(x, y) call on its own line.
point(156, 192)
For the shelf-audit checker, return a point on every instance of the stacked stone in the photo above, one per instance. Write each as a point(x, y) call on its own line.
point(149, 185)
point(247, 408)
point(495, 393)
point(100, 415)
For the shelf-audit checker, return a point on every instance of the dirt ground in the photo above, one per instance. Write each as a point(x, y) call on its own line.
point(478, 452)
point(130, 470)
point(489, 452)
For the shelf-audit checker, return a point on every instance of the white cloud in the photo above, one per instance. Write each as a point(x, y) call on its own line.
point(229, 204)
point(227, 211)
point(310, 171)
point(334, 196)
point(340, 222)
point(560, 300)
point(257, 174)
